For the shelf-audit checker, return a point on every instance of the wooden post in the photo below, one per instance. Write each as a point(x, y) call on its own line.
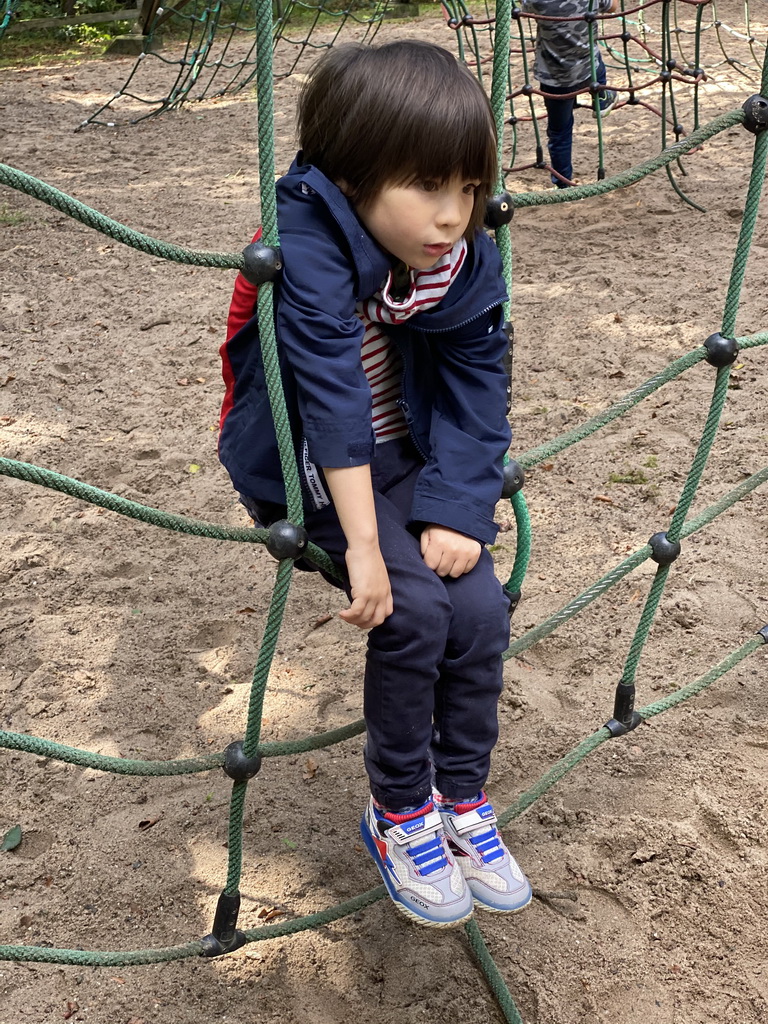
point(139, 39)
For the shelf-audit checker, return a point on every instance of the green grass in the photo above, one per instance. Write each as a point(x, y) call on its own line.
point(10, 218)
point(629, 476)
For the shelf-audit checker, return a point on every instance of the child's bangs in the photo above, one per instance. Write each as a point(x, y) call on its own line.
point(458, 139)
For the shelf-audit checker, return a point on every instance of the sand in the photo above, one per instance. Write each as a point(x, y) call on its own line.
point(124, 639)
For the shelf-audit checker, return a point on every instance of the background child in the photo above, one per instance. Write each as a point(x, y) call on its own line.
point(563, 65)
point(388, 314)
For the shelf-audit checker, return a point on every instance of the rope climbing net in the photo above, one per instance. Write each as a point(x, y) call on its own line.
point(286, 541)
point(659, 56)
point(216, 49)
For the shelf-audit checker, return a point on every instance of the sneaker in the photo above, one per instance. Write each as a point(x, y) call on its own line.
point(606, 100)
point(421, 875)
point(492, 873)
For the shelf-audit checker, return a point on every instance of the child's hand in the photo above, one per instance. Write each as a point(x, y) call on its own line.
point(371, 593)
point(447, 552)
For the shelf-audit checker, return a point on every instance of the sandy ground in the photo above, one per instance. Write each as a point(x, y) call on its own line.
point(125, 639)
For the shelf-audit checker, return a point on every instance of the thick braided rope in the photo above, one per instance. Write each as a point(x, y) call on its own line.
point(556, 772)
point(146, 514)
point(492, 974)
point(591, 743)
point(93, 219)
point(629, 177)
point(185, 766)
point(632, 562)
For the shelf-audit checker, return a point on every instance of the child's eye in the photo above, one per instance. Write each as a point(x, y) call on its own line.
point(429, 186)
point(471, 187)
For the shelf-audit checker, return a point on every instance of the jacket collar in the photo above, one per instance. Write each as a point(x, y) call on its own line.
point(371, 262)
point(478, 287)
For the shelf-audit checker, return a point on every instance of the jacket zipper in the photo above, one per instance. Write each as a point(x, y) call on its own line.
point(402, 401)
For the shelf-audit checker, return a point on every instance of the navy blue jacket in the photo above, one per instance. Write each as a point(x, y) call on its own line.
point(454, 388)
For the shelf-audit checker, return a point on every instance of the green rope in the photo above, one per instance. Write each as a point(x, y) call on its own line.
point(629, 177)
point(523, 549)
point(568, 611)
point(93, 219)
point(185, 766)
point(493, 976)
point(146, 514)
point(757, 177)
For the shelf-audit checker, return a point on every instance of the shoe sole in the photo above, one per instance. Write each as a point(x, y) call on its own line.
point(502, 910)
point(411, 915)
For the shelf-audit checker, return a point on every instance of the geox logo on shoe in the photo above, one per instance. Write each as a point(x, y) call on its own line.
point(421, 903)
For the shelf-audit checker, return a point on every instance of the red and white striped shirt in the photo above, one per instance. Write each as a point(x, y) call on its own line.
point(381, 360)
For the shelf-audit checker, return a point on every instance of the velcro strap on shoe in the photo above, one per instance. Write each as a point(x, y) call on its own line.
point(471, 819)
point(416, 829)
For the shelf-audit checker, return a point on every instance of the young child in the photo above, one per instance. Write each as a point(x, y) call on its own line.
point(563, 67)
point(389, 323)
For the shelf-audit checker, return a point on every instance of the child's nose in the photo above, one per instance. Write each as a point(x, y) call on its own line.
point(451, 212)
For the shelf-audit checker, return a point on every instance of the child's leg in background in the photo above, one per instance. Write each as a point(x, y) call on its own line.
point(560, 122)
point(559, 132)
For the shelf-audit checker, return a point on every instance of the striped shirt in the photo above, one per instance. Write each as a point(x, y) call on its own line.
point(381, 360)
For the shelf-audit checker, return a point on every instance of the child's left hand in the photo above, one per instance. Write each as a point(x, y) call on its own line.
point(447, 552)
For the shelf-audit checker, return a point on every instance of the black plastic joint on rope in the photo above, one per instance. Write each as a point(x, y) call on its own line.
point(261, 263)
point(626, 36)
point(756, 111)
point(286, 540)
point(679, 130)
point(721, 351)
point(671, 64)
point(625, 718)
point(499, 210)
point(590, 16)
point(527, 90)
point(665, 76)
point(764, 634)
point(514, 479)
point(540, 157)
point(516, 13)
point(237, 765)
point(514, 599)
point(663, 550)
point(225, 937)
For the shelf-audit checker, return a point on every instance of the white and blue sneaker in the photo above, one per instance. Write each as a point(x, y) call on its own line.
point(419, 871)
point(491, 872)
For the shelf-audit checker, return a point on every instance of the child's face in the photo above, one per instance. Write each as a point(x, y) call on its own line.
point(420, 222)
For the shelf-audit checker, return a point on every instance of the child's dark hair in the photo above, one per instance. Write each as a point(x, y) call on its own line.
point(394, 114)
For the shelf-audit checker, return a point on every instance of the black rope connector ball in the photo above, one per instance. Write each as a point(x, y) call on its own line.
point(663, 550)
point(764, 634)
point(625, 36)
point(499, 210)
point(237, 765)
point(527, 89)
point(286, 540)
point(721, 351)
point(665, 76)
point(261, 263)
point(756, 111)
point(514, 478)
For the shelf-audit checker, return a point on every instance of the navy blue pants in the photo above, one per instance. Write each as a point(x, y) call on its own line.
point(560, 124)
point(433, 670)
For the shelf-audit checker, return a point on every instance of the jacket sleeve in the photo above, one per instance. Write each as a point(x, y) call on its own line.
point(469, 436)
point(321, 335)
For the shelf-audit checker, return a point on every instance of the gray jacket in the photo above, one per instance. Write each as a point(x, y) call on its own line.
point(562, 47)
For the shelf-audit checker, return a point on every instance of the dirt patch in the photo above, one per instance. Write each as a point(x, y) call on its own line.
point(128, 640)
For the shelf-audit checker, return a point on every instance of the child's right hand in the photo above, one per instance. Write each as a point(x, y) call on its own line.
point(371, 592)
